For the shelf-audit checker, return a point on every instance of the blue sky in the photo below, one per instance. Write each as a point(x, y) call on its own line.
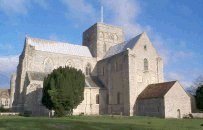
point(174, 27)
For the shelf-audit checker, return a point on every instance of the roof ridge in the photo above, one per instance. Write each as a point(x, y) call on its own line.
point(164, 82)
point(156, 90)
point(52, 41)
point(118, 48)
point(59, 47)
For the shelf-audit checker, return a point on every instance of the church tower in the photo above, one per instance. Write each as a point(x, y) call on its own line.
point(100, 37)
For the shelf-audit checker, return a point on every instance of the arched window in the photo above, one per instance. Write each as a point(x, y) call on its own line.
point(102, 70)
point(97, 99)
point(104, 47)
point(6, 102)
point(88, 69)
point(101, 35)
point(48, 65)
point(145, 47)
point(118, 98)
point(115, 37)
point(116, 66)
point(1, 103)
point(145, 64)
point(69, 63)
point(107, 99)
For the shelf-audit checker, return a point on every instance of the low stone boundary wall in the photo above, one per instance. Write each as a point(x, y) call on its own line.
point(197, 115)
point(8, 113)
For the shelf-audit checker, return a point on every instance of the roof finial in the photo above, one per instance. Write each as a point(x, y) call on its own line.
point(102, 14)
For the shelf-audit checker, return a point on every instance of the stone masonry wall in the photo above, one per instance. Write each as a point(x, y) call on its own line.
point(138, 77)
point(177, 100)
point(113, 72)
point(151, 107)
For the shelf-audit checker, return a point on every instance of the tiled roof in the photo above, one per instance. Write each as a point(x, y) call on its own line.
point(59, 47)
point(156, 90)
point(122, 46)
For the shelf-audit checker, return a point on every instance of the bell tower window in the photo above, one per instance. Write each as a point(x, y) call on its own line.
point(145, 64)
point(104, 47)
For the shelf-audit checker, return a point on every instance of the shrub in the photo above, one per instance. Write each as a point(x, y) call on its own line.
point(63, 90)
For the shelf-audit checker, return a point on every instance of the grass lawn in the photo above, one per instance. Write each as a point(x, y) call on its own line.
point(98, 123)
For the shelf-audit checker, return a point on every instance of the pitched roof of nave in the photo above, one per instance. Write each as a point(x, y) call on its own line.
point(4, 93)
point(90, 81)
point(122, 46)
point(38, 76)
point(93, 81)
point(59, 47)
point(157, 90)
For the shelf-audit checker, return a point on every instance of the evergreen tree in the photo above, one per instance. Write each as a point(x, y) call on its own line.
point(199, 97)
point(63, 90)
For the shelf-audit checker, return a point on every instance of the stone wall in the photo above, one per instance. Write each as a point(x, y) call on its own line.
point(138, 77)
point(177, 102)
point(150, 107)
point(113, 72)
point(89, 105)
point(32, 101)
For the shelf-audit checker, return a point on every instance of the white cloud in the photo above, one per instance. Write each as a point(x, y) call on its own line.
point(8, 65)
point(124, 13)
point(19, 6)
point(80, 10)
point(180, 77)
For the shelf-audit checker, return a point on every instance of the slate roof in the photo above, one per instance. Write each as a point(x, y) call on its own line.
point(93, 81)
point(90, 81)
point(59, 47)
point(38, 76)
point(156, 90)
point(122, 46)
point(4, 93)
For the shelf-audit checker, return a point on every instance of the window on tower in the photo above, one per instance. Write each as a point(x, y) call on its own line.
point(104, 47)
point(145, 64)
point(88, 69)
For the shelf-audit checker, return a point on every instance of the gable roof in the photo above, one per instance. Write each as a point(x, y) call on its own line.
point(122, 46)
point(59, 47)
point(156, 90)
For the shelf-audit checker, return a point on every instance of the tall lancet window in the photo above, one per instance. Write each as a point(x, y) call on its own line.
point(104, 47)
point(97, 99)
point(146, 64)
point(48, 65)
point(88, 69)
point(118, 98)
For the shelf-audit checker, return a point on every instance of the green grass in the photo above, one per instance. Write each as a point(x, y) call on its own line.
point(97, 123)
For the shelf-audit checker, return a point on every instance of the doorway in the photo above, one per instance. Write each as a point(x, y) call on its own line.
point(178, 114)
